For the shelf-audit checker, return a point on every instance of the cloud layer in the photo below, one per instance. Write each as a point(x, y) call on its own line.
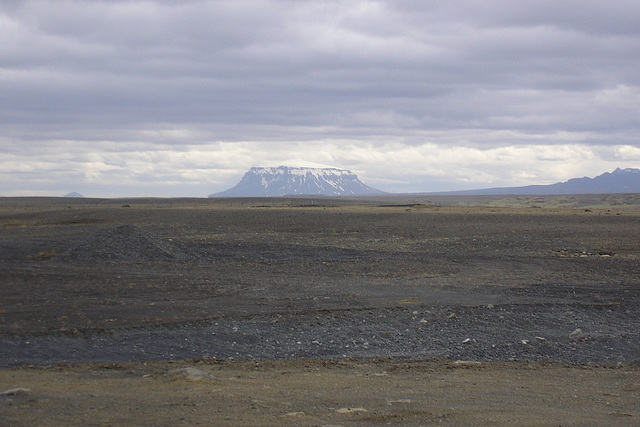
point(117, 98)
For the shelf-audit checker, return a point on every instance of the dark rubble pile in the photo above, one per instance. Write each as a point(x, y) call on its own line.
point(127, 243)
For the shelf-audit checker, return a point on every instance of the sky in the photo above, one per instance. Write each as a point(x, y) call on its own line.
point(168, 98)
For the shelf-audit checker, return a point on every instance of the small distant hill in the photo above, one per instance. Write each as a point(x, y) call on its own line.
point(292, 181)
point(74, 194)
point(618, 181)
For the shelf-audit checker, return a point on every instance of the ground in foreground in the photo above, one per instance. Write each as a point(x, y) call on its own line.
point(311, 392)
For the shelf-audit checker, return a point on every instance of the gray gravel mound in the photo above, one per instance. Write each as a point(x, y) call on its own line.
point(127, 243)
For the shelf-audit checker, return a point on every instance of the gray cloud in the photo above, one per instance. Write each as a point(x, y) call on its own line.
point(113, 77)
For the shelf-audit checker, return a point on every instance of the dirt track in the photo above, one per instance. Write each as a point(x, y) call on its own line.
point(106, 281)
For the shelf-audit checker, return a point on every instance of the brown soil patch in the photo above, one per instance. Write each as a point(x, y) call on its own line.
point(308, 392)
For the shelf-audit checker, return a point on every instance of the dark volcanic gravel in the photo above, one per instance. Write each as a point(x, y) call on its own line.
point(108, 284)
point(498, 333)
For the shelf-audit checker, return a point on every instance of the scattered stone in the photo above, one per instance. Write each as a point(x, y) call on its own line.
point(15, 391)
point(452, 316)
point(260, 403)
point(466, 341)
point(524, 342)
point(577, 335)
point(294, 414)
point(541, 338)
point(191, 374)
point(350, 410)
point(491, 306)
point(423, 321)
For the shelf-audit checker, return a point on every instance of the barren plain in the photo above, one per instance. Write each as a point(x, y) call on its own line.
point(406, 310)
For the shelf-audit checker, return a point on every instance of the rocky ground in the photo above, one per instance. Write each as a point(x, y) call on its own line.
point(376, 285)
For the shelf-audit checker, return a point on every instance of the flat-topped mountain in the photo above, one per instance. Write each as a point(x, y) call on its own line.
point(292, 181)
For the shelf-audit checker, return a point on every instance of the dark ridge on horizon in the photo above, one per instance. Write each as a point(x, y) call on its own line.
point(618, 181)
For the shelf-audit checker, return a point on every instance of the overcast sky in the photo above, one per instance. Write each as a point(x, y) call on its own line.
point(180, 98)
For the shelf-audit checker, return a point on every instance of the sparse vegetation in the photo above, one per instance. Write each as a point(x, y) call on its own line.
point(47, 255)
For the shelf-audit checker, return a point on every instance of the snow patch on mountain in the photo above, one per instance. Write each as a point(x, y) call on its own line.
point(289, 181)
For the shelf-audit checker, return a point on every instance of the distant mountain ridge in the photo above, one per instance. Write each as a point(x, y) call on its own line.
point(618, 181)
point(295, 181)
point(74, 194)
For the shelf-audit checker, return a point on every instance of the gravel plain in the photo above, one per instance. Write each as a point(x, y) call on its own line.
point(94, 282)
